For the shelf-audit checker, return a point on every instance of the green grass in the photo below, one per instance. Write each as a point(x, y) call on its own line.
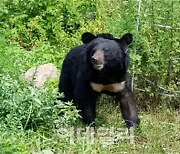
point(158, 133)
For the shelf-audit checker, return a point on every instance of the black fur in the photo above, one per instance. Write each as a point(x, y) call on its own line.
point(78, 72)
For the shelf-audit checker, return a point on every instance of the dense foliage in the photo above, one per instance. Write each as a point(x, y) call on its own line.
point(155, 25)
point(34, 32)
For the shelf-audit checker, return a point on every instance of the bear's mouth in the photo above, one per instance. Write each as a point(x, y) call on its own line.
point(98, 67)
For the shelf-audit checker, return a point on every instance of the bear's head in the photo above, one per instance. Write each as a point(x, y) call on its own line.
point(105, 52)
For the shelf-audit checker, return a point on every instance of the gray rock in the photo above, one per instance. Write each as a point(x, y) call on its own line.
point(40, 74)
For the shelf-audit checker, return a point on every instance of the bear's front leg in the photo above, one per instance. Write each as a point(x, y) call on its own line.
point(87, 110)
point(128, 107)
point(85, 100)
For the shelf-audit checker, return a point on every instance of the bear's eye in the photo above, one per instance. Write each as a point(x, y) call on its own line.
point(105, 49)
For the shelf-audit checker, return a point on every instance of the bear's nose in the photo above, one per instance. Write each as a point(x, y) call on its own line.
point(94, 60)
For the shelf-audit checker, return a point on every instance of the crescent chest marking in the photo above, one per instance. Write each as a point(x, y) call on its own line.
point(115, 87)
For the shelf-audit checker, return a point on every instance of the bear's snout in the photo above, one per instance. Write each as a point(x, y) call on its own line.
point(98, 59)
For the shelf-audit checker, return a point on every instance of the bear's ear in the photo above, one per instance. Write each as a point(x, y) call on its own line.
point(127, 38)
point(87, 37)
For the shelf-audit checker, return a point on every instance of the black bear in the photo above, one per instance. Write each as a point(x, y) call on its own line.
point(98, 66)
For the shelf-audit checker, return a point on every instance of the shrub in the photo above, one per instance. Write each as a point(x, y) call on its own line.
point(24, 106)
point(53, 21)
